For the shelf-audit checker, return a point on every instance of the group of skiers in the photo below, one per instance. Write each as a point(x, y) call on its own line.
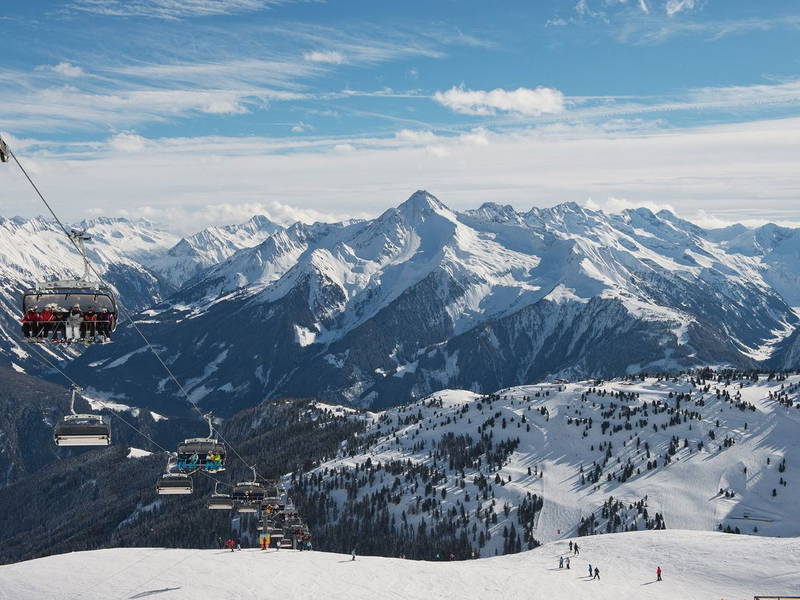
point(594, 572)
point(212, 461)
point(58, 324)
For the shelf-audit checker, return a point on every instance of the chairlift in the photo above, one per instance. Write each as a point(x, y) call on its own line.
point(174, 484)
point(219, 501)
point(250, 492)
point(61, 295)
point(81, 429)
point(201, 454)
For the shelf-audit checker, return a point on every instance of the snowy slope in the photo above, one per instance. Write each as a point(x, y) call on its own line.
point(192, 255)
point(424, 298)
point(696, 565)
point(36, 250)
point(678, 439)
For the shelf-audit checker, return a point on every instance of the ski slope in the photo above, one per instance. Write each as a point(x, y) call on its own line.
point(565, 431)
point(696, 565)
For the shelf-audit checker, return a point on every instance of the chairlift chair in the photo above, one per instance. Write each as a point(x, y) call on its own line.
point(81, 429)
point(219, 501)
point(249, 492)
point(175, 484)
point(193, 452)
point(65, 293)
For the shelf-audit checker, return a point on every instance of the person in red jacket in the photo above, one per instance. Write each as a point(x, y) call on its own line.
point(89, 324)
point(658, 574)
point(29, 323)
point(46, 318)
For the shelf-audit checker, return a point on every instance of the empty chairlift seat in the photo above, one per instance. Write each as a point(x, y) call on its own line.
point(220, 502)
point(82, 430)
point(174, 483)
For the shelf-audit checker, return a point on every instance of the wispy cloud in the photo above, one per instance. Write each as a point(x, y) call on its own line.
point(330, 57)
point(657, 30)
point(523, 101)
point(198, 78)
point(63, 68)
point(169, 9)
point(673, 7)
point(646, 22)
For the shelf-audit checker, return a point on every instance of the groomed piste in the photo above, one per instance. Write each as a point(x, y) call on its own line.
point(695, 565)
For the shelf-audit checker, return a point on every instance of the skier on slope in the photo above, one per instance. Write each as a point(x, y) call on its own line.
point(566, 562)
point(658, 574)
point(596, 573)
point(590, 570)
point(577, 551)
point(560, 562)
point(353, 554)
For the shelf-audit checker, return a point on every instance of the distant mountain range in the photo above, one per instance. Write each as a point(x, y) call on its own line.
point(422, 298)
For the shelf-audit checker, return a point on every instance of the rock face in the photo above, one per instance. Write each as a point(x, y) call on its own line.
point(424, 298)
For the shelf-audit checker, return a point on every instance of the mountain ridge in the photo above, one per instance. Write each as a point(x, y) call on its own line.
point(422, 298)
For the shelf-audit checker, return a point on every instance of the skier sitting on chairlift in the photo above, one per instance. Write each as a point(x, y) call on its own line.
point(29, 323)
point(74, 323)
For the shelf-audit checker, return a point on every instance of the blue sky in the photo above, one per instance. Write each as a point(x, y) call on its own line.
point(197, 111)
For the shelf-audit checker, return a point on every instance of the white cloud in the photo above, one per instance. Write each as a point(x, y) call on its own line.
point(224, 107)
point(330, 57)
point(344, 148)
point(64, 68)
point(127, 142)
point(613, 204)
point(301, 127)
point(745, 171)
point(438, 150)
point(643, 5)
point(191, 218)
point(168, 9)
point(415, 135)
point(523, 101)
point(673, 7)
point(477, 137)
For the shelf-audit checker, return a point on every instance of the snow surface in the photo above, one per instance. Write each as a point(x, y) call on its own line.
point(560, 449)
point(696, 565)
point(138, 453)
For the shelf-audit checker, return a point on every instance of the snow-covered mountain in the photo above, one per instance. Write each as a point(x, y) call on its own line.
point(495, 474)
point(695, 565)
point(424, 298)
point(36, 249)
point(192, 255)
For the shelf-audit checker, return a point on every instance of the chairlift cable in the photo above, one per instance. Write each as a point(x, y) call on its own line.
point(121, 308)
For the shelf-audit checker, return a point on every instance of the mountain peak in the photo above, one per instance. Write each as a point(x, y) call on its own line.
point(422, 200)
point(494, 212)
